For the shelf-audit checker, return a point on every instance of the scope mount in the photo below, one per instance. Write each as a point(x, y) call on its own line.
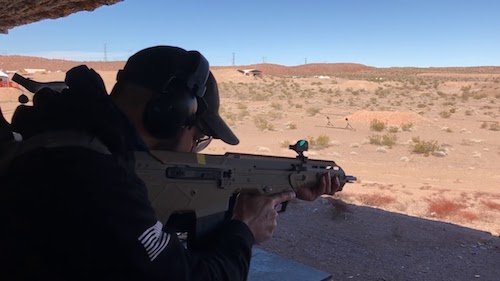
point(300, 147)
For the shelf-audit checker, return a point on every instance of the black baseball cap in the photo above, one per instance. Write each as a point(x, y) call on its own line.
point(210, 119)
point(154, 67)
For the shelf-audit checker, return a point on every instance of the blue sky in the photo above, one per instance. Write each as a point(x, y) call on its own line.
point(381, 33)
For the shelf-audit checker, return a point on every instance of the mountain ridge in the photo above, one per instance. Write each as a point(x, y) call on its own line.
point(18, 62)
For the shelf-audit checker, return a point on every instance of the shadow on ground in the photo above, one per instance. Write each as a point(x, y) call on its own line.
point(361, 243)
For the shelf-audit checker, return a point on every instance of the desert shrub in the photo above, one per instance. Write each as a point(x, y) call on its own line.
point(387, 139)
point(291, 126)
point(312, 111)
point(285, 144)
point(491, 205)
point(259, 96)
point(467, 216)
point(424, 147)
point(243, 113)
point(393, 129)
point(377, 125)
point(442, 207)
point(229, 115)
point(320, 142)
point(484, 125)
point(441, 94)
point(222, 110)
point(445, 114)
point(274, 114)
point(407, 127)
point(468, 112)
point(297, 105)
point(466, 94)
point(242, 106)
point(277, 105)
point(495, 126)
point(375, 139)
point(262, 124)
point(382, 93)
point(466, 142)
point(479, 96)
point(307, 94)
point(376, 200)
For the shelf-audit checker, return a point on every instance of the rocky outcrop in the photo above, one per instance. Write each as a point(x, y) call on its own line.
point(19, 12)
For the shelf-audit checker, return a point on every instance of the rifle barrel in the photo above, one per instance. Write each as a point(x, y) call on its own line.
point(35, 86)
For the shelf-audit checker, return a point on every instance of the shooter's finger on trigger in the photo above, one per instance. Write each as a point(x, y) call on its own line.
point(281, 197)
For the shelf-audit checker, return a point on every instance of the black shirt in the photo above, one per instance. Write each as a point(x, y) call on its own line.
point(71, 213)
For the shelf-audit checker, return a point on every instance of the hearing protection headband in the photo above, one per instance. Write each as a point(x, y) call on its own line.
point(196, 80)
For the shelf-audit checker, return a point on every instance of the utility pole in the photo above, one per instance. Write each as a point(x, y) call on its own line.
point(263, 59)
point(233, 59)
point(305, 61)
point(105, 53)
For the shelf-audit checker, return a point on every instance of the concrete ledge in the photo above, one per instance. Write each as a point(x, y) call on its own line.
point(266, 266)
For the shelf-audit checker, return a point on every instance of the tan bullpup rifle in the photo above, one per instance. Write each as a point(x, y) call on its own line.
point(195, 193)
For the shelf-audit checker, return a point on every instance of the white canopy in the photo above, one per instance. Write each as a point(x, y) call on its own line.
point(2, 74)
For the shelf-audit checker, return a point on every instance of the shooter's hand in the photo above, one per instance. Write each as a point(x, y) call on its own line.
point(258, 212)
point(327, 185)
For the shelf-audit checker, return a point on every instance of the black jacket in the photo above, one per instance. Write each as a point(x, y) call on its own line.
point(70, 213)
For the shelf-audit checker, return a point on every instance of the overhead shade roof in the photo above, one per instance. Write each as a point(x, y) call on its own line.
point(19, 12)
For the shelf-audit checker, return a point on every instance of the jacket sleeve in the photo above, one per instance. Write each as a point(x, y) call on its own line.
point(124, 213)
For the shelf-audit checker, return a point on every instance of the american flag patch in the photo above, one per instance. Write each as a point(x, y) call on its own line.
point(154, 240)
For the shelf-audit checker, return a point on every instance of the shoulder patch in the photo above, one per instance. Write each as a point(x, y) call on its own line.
point(154, 240)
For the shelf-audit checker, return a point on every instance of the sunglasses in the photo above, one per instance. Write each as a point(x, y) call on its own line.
point(202, 143)
point(204, 140)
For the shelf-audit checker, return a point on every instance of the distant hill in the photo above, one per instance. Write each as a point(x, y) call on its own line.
point(306, 69)
point(16, 62)
point(21, 62)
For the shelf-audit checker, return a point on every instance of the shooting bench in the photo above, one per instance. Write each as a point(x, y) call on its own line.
point(266, 266)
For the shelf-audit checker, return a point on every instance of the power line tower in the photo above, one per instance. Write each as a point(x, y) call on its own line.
point(233, 58)
point(305, 60)
point(105, 53)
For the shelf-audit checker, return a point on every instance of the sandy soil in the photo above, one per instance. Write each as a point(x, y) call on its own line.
point(409, 216)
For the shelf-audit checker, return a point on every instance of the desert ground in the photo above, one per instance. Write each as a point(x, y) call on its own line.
point(424, 144)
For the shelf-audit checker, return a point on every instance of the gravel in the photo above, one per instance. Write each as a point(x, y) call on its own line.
point(360, 243)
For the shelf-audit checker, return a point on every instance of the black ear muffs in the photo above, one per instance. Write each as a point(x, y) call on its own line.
point(165, 115)
point(175, 108)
